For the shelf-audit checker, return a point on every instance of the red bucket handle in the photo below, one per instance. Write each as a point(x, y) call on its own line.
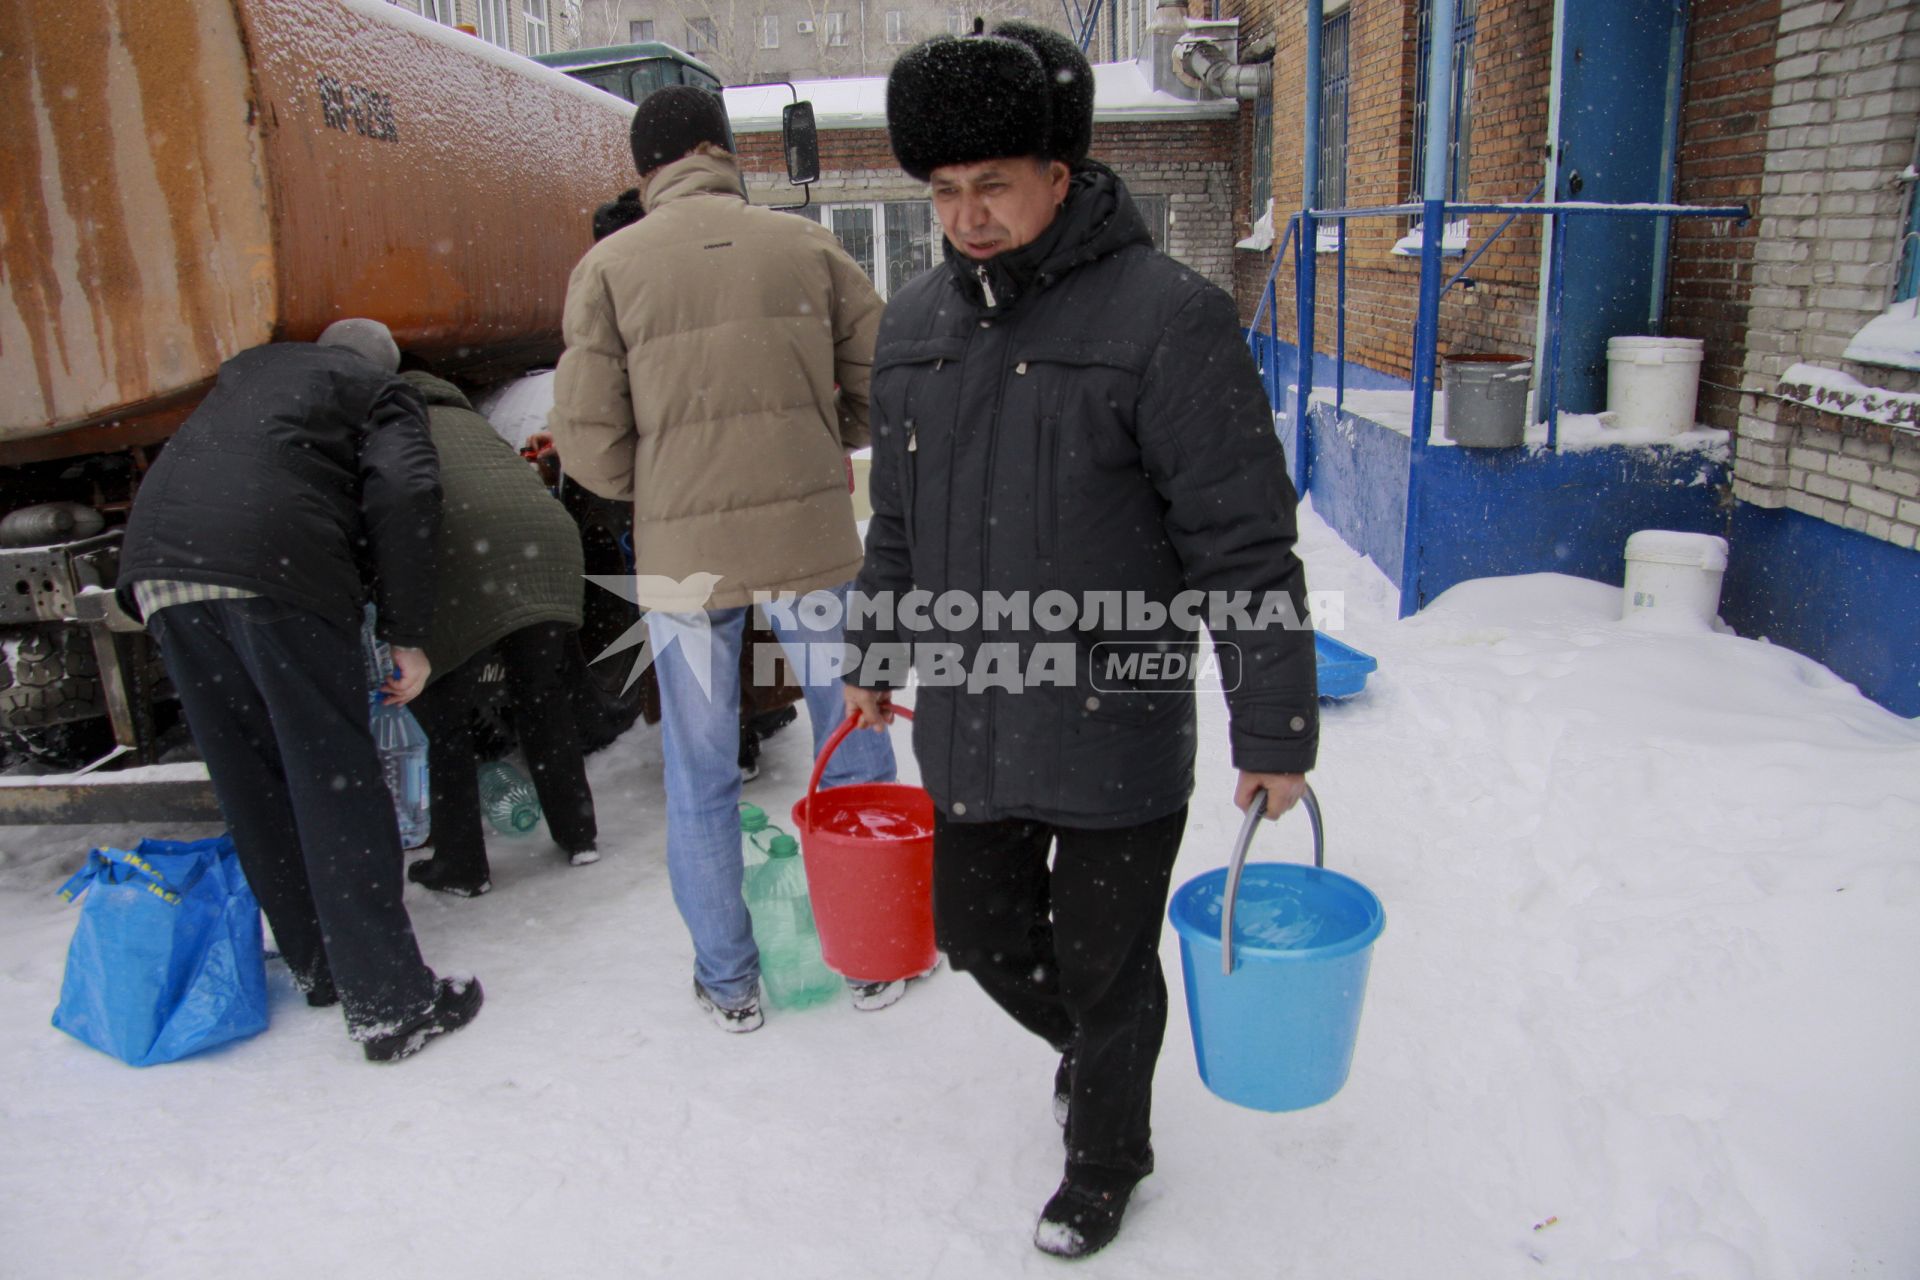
point(833, 745)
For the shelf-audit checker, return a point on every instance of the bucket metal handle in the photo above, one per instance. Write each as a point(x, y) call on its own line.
point(833, 745)
point(1255, 811)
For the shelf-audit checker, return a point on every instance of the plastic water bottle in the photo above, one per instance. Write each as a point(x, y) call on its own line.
point(508, 799)
point(791, 969)
point(755, 832)
point(402, 745)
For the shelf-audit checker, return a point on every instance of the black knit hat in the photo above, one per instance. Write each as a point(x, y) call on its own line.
point(1071, 85)
point(961, 101)
point(672, 121)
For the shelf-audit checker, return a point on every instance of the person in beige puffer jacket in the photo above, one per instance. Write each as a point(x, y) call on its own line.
point(715, 374)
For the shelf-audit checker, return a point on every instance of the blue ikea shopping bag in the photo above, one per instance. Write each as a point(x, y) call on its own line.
point(166, 960)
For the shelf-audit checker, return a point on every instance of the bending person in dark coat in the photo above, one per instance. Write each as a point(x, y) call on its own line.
point(1061, 413)
point(509, 578)
point(305, 477)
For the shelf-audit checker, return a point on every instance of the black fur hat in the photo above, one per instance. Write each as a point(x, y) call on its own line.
point(960, 101)
point(672, 121)
point(1071, 81)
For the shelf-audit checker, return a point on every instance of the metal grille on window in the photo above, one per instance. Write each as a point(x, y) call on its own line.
point(853, 224)
point(1262, 181)
point(1153, 210)
point(1460, 104)
point(909, 242)
point(1332, 192)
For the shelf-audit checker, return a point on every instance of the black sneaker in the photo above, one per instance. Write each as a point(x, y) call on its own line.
point(1063, 1089)
point(1084, 1215)
point(455, 1002)
point(739, 1021)
point(435, 875)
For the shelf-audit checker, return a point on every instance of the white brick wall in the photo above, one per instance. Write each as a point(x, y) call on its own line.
point(1846, 99)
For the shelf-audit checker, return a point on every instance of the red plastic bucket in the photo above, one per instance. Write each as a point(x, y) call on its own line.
point(868, 850)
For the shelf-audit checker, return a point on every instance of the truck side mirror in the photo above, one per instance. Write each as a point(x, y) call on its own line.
point(801, 141)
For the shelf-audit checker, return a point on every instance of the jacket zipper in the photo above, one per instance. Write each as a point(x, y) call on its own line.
point(986, 285)
point(986, 540)
point(912, 476)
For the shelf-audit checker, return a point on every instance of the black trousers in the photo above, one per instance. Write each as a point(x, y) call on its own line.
point(535, 660)
point(276, 698)
point(1073, 953)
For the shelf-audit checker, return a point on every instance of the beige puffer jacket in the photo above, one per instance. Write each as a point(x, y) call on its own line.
point(704, 345)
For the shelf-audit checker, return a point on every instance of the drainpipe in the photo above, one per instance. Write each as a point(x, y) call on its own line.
point(1669, 152)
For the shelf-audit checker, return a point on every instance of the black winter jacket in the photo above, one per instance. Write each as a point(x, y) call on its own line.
point(1082, 415)
point(306, 475)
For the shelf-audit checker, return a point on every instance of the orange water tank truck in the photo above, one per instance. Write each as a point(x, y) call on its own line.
point(182, 179)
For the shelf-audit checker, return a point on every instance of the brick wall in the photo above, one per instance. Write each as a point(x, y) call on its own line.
point(1190, 162)
point(1723, 143)
point(1845, 98)
point(1512, 60)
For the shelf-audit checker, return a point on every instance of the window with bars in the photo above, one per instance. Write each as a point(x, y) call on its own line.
point(1153, 211)
point(535, 14)
point(1332, 190)
point(1459, 105)
point(702, 35)
point(893, 241)
point(640, 31)
point(1262, 170)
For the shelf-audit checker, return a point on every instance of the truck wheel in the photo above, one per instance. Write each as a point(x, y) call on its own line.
point(53, 678)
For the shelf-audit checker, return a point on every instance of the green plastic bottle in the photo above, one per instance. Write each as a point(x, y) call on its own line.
point(791, 970)
point(755, 832)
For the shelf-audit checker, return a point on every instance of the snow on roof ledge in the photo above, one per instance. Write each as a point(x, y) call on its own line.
point(1120, 93)
point(1890, 338)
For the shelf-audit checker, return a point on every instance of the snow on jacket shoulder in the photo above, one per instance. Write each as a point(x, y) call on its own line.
point(1081, 417)
point(716, 371)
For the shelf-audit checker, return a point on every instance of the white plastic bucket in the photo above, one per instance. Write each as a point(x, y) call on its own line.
point(1673, 579)
point(1653, 384)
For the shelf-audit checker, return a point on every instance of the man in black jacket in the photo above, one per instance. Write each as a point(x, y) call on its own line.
point(1069, 434)
point(305, 474)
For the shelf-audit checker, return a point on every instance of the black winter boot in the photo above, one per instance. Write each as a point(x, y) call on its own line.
point(1084, 1215)
point(455, 1002)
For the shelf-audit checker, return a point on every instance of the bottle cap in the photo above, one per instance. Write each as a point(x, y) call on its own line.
point(783, 846)
point(752, 818)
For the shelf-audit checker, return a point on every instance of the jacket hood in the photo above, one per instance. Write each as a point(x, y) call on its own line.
point(1098, 219)
point(694, 175)
point(437, 390)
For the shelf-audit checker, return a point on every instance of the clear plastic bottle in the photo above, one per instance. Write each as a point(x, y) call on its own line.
point(791, 970)
point(508, 799)
point(402, 745)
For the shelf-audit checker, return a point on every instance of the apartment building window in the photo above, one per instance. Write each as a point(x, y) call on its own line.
point(769, 31)
point(445, 12)
point(702, 35)
point(538, 42)
point(836, 28)
point(956, 22)
point(1459, 105)
point(493, 23)
point(1332, 190)
point(896, 26)
point(1909, 282)
point(902, 230)
point(640, 32)
point(1262, 170)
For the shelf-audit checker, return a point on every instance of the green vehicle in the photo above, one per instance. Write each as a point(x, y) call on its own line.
point(632, 71)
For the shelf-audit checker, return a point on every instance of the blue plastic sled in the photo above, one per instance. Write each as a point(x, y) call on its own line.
point(1343, 669)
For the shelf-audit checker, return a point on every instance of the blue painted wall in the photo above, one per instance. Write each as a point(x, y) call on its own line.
point(1848, 600)
point(1358, 473)
point(1489, 512)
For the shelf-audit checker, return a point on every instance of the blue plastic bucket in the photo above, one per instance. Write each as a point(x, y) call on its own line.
point(1275, 1015)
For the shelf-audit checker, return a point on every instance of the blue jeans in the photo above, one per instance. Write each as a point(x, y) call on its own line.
point(700, 736)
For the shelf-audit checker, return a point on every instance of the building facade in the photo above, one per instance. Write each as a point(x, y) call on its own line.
point(523, 26)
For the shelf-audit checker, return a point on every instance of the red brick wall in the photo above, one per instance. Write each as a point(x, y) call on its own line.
point(1512, 58)
point(1723, 124)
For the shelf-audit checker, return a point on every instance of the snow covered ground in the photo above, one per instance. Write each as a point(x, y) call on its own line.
point(1643, 1009)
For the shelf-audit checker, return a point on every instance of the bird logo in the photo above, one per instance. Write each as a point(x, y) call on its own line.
point(675, 613)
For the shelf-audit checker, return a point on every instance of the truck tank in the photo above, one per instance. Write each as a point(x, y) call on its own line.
point(182, 179)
